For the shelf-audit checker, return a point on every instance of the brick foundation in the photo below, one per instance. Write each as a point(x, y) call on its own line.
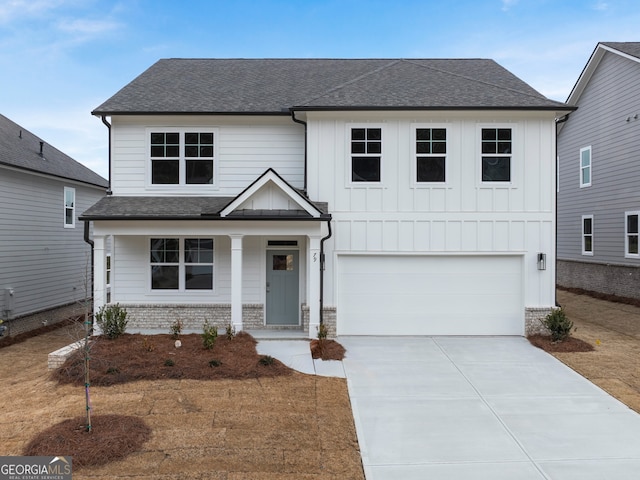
point(328, 318)
point(533, 320)
point(617, 280)
point(27, 323)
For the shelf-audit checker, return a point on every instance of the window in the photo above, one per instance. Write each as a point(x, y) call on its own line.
point(585, 167)
point(496, 154)
point(69, 207)
point(587, 235)
point(184, 157)
point(631, 234)
point(108, 279)
point(431, 150)
point(188, 269)
point(366, 154)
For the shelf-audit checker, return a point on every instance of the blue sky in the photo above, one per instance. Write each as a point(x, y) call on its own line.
point(59, 59)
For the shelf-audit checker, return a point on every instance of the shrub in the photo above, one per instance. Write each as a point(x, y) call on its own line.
point(176, 328)
point(230, 331)
point(215, 363)
point(266, 360)
point(558, 324)
point(209, 335)
point(112, 320)
point(169, 362)
point(323, 332)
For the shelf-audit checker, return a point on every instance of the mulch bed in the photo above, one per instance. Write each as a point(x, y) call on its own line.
point(133, 357)
point(571, 344)
point(111, 438)
point(327, 350)
point(21, 337)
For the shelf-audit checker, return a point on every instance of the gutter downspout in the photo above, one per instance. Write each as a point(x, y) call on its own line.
point(90, 242)
point(108, 125)
point(559, 121)
point(322, 240)
point(302, 122)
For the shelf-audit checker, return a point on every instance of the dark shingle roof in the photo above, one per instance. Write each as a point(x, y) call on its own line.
point(273, 86)
point(630, 48)
point(20, 148)
point(183, 208)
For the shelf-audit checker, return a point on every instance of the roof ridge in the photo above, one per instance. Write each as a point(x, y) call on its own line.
point(356, 79)
point(484, 82)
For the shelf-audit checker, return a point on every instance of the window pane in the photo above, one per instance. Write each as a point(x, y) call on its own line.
point(191, 138)
point(191, 151)
point(198, 250)
point(69, 198)
point(206, 151)
point(423, 147)
point(173, 138)
point(365, 169)
point(374, 134)
point(198, 277)
point(633, 244)
point(430, 169)
point(439, 134)
point(423, 134)
point(165, 171)
point(587, 226)
point(358, 134)
point(374, 147)
point(68, 216)
point(496, 169)
point(283, 262)
point(504, 147)
point(164, 277)
point(488, 134)
point(206, 138)
point(157, 139)
point(358, 147)
point(489, 147)
point(200, 171)
point(504, 134)
point(439, 147)
point(586, 158)
point(632, 224)
point(587, 243)
point(586, 175)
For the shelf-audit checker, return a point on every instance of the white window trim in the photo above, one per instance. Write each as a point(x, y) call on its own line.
point(590, 167)
point(626, 234)
point(73, 208)
point(182, 185)
point(584, 251)
point(349, 162)
point(414, 158)
point(181, 268)
point(478, 148)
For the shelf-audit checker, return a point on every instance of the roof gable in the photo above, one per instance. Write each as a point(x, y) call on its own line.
point(268, 193)
point(21, 149)
point(628, 50)
point(274, 86)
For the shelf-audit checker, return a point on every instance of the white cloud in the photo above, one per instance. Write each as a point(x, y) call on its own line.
point(14, 9)
point(507, 4)
point(84, 26)
point(601, 6)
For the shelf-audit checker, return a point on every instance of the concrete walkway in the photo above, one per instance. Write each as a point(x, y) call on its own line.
point(476, 408)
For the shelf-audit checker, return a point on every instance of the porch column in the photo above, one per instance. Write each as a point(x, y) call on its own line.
point(99, 276)
point(313, 282)
point(236, 281)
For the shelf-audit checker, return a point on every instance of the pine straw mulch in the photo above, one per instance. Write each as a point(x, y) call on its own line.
point(327, 350)
point(111, 438)
point(133, 357)
point(571, 344)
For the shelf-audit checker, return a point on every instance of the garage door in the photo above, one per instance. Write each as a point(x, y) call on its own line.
point(429, 295)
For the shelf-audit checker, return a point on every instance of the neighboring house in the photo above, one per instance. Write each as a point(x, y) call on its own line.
point(379, 196)
point(44, 260)
point(599, 175)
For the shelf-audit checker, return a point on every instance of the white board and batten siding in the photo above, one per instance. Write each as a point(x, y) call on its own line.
point(45, 263)
point(244, 149)
point(464, 229)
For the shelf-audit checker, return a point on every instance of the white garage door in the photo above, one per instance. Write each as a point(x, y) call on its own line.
point(430, 295)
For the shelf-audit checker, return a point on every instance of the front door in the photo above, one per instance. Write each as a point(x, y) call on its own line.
point(282, 287)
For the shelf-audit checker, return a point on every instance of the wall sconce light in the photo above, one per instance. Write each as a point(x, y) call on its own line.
point(542, 261)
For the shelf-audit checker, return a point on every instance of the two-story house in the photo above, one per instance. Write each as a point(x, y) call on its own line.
point(378, 196)
point(45, 263)
point(599, 173)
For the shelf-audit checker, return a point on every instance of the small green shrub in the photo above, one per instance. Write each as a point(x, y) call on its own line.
point(323, 332)
point(112, 320)
point(209, 335)
point(148, 345)
point(558, 324)
point(215, 363)
point(113, 370)
point(169, 362)
point(176, 328)
point(266, 360)
point(230, 331)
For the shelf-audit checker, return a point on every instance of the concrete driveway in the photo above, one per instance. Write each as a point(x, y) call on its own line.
point(482, 408)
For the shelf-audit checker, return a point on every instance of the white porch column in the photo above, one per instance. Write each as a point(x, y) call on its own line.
point(313, 283)
point(99, 276)
point(236, 281)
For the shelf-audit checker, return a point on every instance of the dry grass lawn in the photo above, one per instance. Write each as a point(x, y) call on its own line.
point(296, 427)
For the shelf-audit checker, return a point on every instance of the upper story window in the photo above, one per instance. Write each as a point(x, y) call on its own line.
point(585, 167)
point(631, 234)
point(69, 207)
point(183, 157)
point(181, 264)
point(366, 154)
point(587, 234)
point(431, 154)
point(496, 154)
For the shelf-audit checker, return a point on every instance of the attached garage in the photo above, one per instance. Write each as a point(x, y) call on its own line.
point(430, 295)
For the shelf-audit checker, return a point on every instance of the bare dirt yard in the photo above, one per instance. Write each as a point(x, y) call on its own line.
point(290, 426)
point(613, 329)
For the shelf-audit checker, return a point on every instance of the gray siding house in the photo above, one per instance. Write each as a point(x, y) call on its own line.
point(599, 175)
point(43, 256)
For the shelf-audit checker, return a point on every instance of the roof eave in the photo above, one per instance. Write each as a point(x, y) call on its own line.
point(109, 113)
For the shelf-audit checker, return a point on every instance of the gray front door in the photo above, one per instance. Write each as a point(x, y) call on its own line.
point(282, 287)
